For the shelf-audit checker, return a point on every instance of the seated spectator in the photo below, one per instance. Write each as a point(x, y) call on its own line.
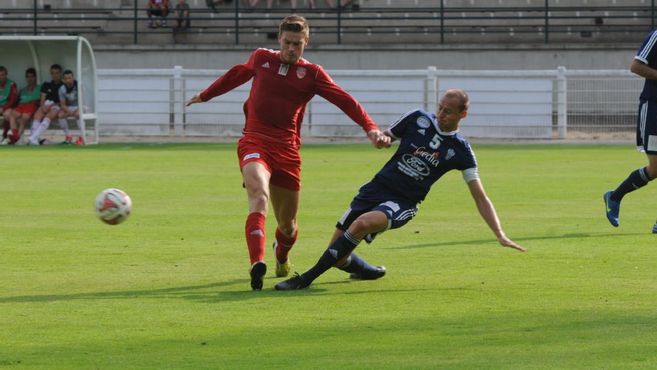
point(343, 3)
point(8, 97)
point(160, 9)
point(212, 4)
point(48, 106)
point(28, 103)
point(254, 3)
point(68, 102)
point(182, 15)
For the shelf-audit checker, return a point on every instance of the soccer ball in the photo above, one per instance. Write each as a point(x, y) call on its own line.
point(113, 206)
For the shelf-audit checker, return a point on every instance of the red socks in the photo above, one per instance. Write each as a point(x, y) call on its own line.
point(255, 239)
point(255, 236)
point(13, 135)
point(285, 243)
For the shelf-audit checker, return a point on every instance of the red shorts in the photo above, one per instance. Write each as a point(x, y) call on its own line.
point(26, 108)
point(282, 161)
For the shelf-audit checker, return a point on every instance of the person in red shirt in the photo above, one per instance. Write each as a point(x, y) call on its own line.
point(283, 83)
point(8, 98)
point(157, 8)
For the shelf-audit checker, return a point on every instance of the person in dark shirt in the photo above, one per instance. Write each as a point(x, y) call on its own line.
point(644, 64)
point(182, 15)
point(49, 105)
point(430, 146)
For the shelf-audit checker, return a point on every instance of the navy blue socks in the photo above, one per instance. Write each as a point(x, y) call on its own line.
point(636, 180)
point(343, 246)
point(355, 264)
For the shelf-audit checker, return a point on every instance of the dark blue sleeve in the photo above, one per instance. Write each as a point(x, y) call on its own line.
point(647, 50)
point(469, 160)
point(398, 128)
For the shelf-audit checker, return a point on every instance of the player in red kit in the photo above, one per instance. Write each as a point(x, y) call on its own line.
point(283, 83)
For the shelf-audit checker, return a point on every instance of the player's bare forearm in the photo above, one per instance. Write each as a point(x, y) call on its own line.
point(643, 70)
point(488, 213)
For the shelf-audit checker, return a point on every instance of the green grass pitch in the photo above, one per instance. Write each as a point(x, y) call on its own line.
point(169, 287)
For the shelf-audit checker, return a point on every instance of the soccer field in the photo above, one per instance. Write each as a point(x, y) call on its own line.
point(169, 288)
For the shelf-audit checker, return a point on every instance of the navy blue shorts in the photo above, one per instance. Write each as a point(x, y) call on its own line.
point(373, 197)
point(646, 128)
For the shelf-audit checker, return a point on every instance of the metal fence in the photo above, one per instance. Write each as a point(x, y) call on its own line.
point(541, 104)
point(372, 22)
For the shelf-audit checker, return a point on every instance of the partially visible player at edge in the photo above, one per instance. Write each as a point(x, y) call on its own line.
point(644, 64)
point(283, 83)
point(430, 146)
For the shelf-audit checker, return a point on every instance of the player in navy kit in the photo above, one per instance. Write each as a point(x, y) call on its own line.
point(644, 64)
point(429, 147)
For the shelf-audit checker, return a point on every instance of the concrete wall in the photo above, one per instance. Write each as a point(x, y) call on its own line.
point(333, 57)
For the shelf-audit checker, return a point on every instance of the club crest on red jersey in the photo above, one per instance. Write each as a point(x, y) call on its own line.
point(301, 72)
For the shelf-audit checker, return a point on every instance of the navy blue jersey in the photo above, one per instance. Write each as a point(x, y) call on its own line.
point(51, 89)
point(424, 155)
point(648, 55)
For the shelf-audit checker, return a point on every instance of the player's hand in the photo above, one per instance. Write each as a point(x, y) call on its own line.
point(378, 139)
point(506, 242)
point(195, 99)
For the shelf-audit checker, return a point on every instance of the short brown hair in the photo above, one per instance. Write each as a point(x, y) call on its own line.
point(461, 95)
point(294, 23)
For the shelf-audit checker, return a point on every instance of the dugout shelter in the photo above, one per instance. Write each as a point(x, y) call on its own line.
point(17, 53)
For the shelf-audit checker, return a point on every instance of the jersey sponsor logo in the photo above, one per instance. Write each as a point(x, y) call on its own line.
point(431, 157)
point(423, 122)
point(282, 70)
point(413, 166)
point(301, 72)
point(265, 65)
point(250, 156)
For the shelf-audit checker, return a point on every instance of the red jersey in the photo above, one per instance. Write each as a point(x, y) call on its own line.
point(279, 94)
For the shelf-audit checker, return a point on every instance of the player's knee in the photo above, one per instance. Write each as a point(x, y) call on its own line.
point(651, 169)
point(360, 227)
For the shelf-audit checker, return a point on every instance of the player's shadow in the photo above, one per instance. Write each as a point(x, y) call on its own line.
point(520, 240)
point(206, 293)
point(173, 292)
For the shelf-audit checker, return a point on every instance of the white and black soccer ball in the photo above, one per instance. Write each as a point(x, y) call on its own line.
point(113, 206)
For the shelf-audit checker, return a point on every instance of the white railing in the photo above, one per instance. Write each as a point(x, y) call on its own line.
point(504, 104)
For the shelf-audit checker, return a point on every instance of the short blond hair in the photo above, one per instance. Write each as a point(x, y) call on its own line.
point(461, 95)
point(294, 23)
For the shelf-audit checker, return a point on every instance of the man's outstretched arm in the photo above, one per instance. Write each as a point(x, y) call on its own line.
point(487, 212)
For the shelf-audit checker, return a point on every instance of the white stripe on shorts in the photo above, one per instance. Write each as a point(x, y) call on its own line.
point(642, 121)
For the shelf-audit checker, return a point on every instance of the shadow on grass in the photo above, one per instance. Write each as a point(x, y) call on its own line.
point(206, 293)
point(175, 292)
point(519, 240)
